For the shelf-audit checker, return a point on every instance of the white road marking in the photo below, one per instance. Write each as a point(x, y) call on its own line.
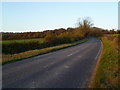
point(77, 51)
point(70, 54)
point(66, 66)
point(99, 51)
point(46, 66)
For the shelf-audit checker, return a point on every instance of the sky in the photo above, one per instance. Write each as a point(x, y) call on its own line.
point(39, 16)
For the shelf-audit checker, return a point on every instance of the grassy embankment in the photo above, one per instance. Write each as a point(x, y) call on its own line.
point(7, 58)
point(21, 41)
point(107, 73)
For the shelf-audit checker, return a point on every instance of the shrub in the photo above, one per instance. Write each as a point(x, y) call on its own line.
point(13, 48)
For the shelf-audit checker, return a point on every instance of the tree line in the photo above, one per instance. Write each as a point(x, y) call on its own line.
point(32, 35)
point(51, 37)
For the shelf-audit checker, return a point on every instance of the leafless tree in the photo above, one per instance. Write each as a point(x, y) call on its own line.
point(85, 23)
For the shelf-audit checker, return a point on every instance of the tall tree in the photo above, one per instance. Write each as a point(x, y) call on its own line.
point(85, 25)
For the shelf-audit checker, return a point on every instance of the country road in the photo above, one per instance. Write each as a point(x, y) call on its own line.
point(66, 68)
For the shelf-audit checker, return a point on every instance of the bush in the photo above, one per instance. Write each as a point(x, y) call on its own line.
point(13, 48)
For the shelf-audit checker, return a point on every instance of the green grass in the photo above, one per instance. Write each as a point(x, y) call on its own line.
point(111, 34)
point(107, 71)
point(8, 58)
point(21, 41)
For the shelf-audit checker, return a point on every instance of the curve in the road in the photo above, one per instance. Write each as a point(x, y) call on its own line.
point(66, 68)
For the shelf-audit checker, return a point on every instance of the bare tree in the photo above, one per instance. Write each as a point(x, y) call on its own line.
point(85, 25)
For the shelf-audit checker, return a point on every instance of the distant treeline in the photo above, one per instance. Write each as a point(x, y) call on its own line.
point(32, 35)
point(29, 35)
point(52, 37)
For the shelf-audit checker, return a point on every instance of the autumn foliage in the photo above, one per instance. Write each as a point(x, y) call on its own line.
point(51, 37)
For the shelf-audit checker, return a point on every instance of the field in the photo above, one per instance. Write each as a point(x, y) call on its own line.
point(107, 73)
point(21, 41)
point(6, 58)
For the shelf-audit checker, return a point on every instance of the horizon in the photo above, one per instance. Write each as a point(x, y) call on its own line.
point(41, 16)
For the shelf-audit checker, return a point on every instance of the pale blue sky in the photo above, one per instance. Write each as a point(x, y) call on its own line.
point(38, 16)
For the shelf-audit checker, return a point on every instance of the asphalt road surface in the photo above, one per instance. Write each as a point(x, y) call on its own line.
point(66, 68)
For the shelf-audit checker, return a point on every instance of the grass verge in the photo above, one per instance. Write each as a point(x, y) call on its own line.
point(107, 72)
point(21, 40)
point(8, 58)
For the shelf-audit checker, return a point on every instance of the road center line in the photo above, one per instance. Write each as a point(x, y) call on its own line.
point(77, 51)
point(70, 54)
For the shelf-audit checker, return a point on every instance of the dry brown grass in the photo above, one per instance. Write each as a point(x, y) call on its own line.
point(107, 73)
point(6, 58)
point(9, 57)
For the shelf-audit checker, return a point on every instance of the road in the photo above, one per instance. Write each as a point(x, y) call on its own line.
point(66, 68)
